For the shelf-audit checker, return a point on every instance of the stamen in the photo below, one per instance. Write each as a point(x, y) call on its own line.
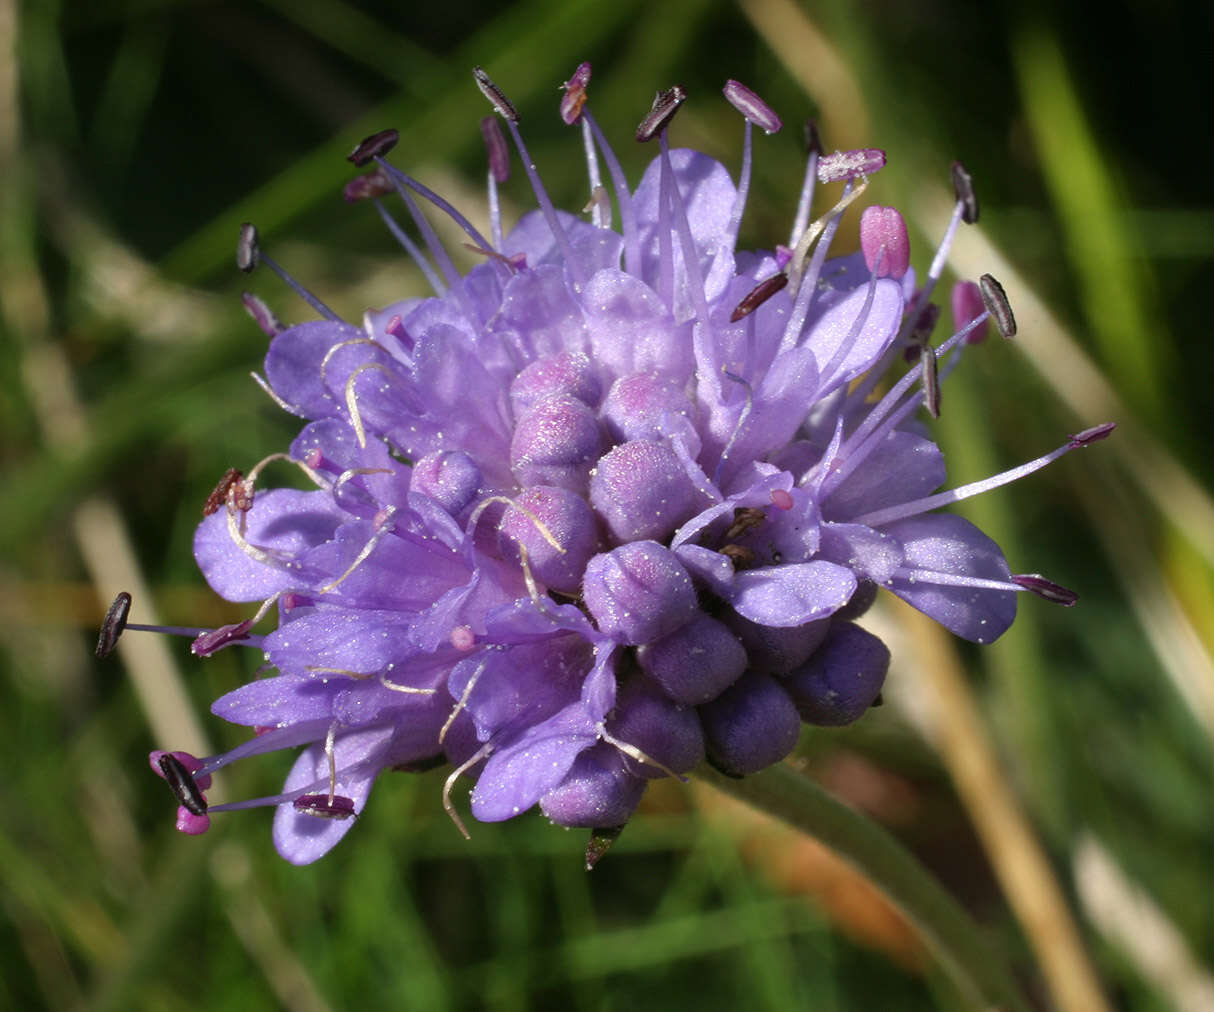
point(575, 94)
point(600, 202)
point(1050, 591)
point(623, 197)
point(181, 781)
point(931, 502)
point(753, 299)
point(635, 753)
point(462, 703)
point(113, 625)
point(249, 255)
point(368, 186)
point(331, 756)
point(752, 107)
point(540, 526)
point(219, 495)
point(501, 104)
point(850, 164)
point(356, 472)
point(499, 172)
point(813, 147)
point(375, 146)
point(210, 641)
point(456, 773)
point(737, 429)
point(601, 840)
point(665, 105)
point(408, 690)
point(262, 314)
point(1093, 435)
point(781, 500)
point(384, 528)
point(290, 409)
point(931, 384)
point(324, 806)
point(963, 190)
point(412, 250)
point(249, 482)
point(995, 299)
point(356, 419)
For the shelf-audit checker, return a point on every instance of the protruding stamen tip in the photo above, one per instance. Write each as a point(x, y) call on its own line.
point(813, 139)
point(931, 382)
point(497, 98)
point(885, 242)
point(850, 164)
point(495, 147)
point(324, 807)
point(995, 299)
point(219, 494)
point(209, 642)
point(665, 105)
point(1093, 435)
point(601, 840)
point(575, 94)
point(968, 305)
point(112, 625)
point(1047, 589)
point(963, 188)
point(368, 186)
point(187, 792)
point(262, 314)
point(247, 250)
point(925, 324)
point(375, 146)
point(753, 299)
point(751, 106)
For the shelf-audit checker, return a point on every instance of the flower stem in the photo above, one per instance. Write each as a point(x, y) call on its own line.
point(944, 926)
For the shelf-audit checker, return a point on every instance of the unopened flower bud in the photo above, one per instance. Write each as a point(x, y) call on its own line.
point(638, 592)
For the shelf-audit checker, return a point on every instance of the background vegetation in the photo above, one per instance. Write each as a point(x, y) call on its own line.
point(1058, 782)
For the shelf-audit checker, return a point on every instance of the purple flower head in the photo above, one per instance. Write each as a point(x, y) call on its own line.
point(604, 505)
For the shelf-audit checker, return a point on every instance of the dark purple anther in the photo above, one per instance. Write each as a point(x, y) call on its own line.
point(181, 781)
point(813, 140)
point(995, 299)
point(368, 186)
point(850, 164)
point(751, 106)
point(324, 807)
point(262, 314)
point(375, 146)
point(575, 94)
point(1093, 435)
point(931, 382)
point(495, 146)
point(501, 104)
point(247, 251)
point(761, 292)
point(209, 642)
point(113, 624)
point(665, 105)
point(601, 840)
point(963, 188)
point(1047, 589)
point(219, 494)
point(925, 324)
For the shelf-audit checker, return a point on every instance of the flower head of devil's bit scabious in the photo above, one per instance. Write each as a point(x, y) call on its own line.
point(605, 505)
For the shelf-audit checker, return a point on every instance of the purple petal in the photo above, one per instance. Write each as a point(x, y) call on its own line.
point(792, 595)
point(283, 524)
point(945, 543)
